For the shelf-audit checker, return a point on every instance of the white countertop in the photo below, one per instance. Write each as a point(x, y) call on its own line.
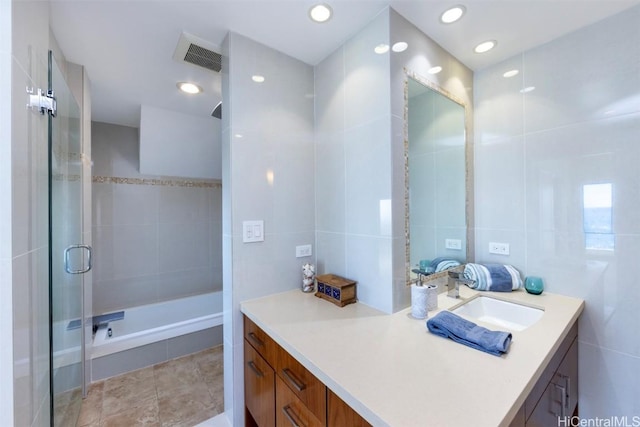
point(393, 372)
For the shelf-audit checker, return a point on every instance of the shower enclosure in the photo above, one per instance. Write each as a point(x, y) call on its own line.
point(69, 258)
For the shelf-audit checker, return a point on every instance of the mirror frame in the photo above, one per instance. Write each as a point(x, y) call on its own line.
point(470, 232)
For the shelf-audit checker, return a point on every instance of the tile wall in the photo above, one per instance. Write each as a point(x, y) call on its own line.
point(6, 285)
point(155, 238)
point(455, 78)
point(29, 202)
point(353, 167)
point(267, 174)
point(360, 163)
point(535, 153)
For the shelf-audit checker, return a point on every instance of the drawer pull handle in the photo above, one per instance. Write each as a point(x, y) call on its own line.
point(291, 416)
point(293, 380)
point(255, 369)
point(256, 340)
point(564, 404)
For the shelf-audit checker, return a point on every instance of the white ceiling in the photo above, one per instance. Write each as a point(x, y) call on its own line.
point(127, 46)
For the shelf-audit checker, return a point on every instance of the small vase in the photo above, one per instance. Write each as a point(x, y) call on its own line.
point(533, 285)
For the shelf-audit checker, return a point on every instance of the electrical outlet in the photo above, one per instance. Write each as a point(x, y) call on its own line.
point(453, 244)
point(303, 250)
point(498, 248)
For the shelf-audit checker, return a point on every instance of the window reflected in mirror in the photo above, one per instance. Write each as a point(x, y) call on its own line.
point(597, 216)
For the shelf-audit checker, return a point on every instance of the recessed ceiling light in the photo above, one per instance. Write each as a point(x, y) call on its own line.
point(510, 73)
point(189, 87)
point(528, 89)
point(257, 78)
point(434, 70)
point(485, 46)
point(320, 13)
point(381, 48)
point(453, 14)
point(399, 47)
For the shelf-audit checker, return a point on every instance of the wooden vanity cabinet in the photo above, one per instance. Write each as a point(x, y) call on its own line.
point(341, 415)
point(303, 384)
point(279, 391)
point(556, 392)
point(560, 397)
point(290, 410)
point(259, 389)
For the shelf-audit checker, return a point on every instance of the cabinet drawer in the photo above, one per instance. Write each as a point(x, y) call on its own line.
point(560, 398)
point(303, 384)
point(290, 410)
point(536, 393)
point(260, 341)
point(259, 387)
point(341, 414)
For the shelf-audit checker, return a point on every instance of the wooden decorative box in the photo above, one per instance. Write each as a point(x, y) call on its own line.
point(336, 289)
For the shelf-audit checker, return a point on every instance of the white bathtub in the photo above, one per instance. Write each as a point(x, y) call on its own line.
point(151, 323)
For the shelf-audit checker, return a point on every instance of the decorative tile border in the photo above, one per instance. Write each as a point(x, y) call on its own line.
point(160, 182)
point(65, 177)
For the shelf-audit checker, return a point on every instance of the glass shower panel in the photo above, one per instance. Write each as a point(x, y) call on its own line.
point(67, 259)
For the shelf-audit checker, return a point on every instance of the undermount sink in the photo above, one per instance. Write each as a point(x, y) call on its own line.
point(498, 312)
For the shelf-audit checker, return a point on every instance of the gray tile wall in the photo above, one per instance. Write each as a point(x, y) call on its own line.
point(353, 167)
point(534, 153)
point(24, 250)
point(151, 242)
point(267, 173)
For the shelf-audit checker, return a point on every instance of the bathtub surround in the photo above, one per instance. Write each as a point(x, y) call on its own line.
point(156, 238)
point(578, 127)
point(155, 333)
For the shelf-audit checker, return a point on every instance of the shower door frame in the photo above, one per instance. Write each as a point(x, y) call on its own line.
point(68, 257)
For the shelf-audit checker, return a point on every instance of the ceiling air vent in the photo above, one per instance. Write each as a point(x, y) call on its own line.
point(196, 51)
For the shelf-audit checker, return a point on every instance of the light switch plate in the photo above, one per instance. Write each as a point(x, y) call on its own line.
point(252, 231)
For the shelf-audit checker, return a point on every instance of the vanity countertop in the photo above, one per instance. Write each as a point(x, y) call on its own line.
point(393, 372)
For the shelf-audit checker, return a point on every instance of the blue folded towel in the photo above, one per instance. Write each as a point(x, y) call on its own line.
point(443, 263)
point(449, 325)
point(493, 277)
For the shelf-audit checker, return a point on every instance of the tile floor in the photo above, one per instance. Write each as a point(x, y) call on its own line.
point(182, 392)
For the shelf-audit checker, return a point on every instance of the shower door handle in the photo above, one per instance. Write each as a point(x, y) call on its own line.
point(67, 266)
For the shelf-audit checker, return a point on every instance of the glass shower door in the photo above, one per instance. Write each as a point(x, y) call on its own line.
point(68, 258)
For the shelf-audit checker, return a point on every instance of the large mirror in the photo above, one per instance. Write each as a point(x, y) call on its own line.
point(436, 176)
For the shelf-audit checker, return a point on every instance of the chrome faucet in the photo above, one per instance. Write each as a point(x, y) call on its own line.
point(421, 276)
point(418, 280)
point(453, 283)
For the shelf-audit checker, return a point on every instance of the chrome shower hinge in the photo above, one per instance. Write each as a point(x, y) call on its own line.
point(43, 101)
